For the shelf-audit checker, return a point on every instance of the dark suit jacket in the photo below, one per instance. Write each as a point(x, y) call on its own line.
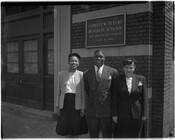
point(99, 93)
point(135, 103)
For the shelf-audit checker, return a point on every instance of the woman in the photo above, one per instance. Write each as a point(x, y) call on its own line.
point(71, 100)
point(130, 101)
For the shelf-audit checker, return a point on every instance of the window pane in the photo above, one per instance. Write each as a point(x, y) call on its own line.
point(50, 44)
point(12, 68)
point(30, 57)
point(30, 68)
point(12, 57)
point(50, 68)
point(50, 56)
point(30, 45)
point(11, 10)
point(12, 47)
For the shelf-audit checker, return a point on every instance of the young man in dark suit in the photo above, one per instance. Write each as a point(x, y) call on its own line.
point(129, 101)
point(99, 82)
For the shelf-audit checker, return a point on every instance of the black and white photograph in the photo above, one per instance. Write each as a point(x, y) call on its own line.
point(87, 69)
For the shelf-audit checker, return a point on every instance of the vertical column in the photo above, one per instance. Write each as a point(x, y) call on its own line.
point(168, 119)
point(162, 48)
point(41, 62)
point(62, 24)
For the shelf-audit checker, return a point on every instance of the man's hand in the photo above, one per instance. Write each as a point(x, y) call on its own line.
point(82, 112)
point(115, 119)
point(144, 118)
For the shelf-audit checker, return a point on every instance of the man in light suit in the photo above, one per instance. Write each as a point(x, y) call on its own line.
point(130, 101)
point(99, 82)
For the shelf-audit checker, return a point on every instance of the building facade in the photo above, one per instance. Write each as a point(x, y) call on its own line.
point(36, 41)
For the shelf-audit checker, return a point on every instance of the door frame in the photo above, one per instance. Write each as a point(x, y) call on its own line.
point(48, 78)
point(62, 42)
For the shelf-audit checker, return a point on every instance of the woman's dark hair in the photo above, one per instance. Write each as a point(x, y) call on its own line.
point(74, 54)
point(129, 61)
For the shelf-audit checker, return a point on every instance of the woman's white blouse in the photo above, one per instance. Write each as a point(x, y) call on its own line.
point(129, 84)
point(70, 83)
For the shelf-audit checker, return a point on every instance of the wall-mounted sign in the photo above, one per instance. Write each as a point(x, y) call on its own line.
point(106, 31)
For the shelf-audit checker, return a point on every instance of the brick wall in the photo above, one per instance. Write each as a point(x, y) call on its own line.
point(167, 73)
point(158, 70)
point(162, 55)
point(138, 31)
point(139, 28)
point(87, 7)
point(78, 35)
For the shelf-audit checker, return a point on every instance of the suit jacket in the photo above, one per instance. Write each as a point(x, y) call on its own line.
point(99, 94)
point(135, 103)
point(80, 92)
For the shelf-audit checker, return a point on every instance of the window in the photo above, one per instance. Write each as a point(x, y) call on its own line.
point(48, 6)
point(12, 57)
point(28, 8)
point(31, 57)
point(50, 56)
point(10, 10)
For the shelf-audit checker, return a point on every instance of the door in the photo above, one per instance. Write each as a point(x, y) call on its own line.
point(23, 84)
point(12, 72)
point(49, 72)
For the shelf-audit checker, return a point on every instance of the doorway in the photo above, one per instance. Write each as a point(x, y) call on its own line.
point(22, 69)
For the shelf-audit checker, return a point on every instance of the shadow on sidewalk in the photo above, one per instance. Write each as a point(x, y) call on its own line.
point(21, 122)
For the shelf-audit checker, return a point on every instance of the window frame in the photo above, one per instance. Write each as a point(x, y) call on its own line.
point(23, 56)
point(46, 38)
point(6, 55)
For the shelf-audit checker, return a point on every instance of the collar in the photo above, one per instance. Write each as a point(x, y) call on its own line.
point(130, 78)
point(101, 68)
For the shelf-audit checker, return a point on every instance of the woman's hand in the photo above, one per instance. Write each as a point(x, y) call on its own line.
point(82, 112)
point(58, 111)
point(115, 119)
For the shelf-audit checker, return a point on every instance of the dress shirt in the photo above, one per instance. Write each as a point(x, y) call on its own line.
point(129, 84)
point(100, 70)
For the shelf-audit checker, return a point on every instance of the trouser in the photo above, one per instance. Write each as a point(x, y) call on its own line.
point(127, 128)
point(104, 124)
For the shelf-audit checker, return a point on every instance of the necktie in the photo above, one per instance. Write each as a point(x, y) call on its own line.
point(98, 74)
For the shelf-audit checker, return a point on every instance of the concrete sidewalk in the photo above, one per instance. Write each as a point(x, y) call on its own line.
point(22, 122)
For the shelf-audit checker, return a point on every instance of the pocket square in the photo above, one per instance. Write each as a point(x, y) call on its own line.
point(140, 83)
point(110, 77)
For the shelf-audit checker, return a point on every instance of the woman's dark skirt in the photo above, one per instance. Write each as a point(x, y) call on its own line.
point(70, 121)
